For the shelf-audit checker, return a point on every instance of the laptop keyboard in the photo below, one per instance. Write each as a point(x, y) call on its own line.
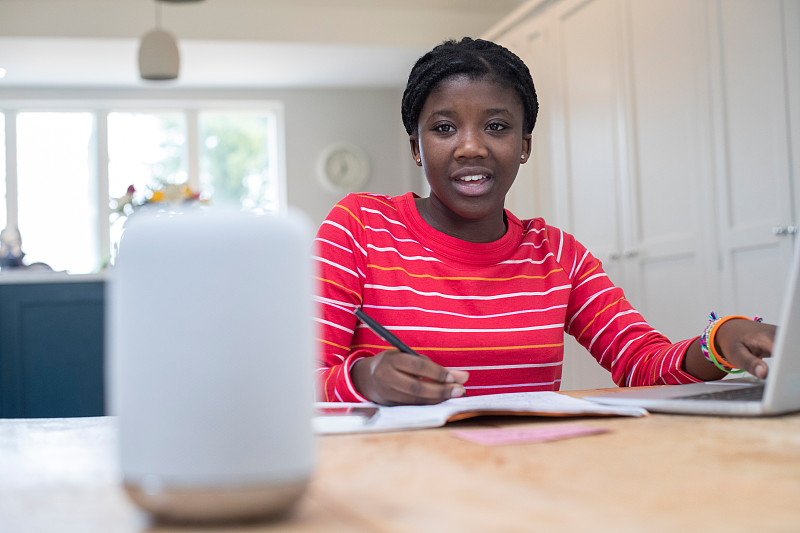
point(754, 393)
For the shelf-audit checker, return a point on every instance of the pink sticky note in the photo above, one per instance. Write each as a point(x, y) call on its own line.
point(492, 437)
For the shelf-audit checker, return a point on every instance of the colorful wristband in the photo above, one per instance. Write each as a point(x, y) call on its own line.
point(704, 344)
point(707, 343)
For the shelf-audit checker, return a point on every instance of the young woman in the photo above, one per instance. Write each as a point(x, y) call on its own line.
point(483, 296)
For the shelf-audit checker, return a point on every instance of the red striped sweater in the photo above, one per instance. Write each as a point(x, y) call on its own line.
point(498, 309)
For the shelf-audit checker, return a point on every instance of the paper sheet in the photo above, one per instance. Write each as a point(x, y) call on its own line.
point(545, 403)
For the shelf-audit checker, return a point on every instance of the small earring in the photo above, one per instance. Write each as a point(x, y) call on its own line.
point(419, 160)
point(522, 157)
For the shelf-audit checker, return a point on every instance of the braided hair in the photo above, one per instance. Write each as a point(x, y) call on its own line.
point(477, 59)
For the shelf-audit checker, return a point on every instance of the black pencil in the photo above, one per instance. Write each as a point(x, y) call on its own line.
point(384, 333)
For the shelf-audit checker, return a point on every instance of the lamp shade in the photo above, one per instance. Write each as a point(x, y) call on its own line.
point(158, 56)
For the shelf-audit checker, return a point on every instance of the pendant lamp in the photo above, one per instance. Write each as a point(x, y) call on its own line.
point(158, 53)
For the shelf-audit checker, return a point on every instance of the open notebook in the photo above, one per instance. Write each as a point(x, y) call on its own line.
point(779, 393)
point(339, 417)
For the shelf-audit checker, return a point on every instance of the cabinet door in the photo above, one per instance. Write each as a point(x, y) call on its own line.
point(670, 223)
point(589, 159)
point(588, 139)
point(755, 47)
point(51, 350)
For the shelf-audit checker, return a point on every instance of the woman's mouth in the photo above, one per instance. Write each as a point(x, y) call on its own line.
point(473, 185)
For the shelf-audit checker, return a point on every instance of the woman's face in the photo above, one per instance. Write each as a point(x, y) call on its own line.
point(470, 141)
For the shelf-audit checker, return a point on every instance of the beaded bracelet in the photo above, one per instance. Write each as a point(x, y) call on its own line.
point(707, 345)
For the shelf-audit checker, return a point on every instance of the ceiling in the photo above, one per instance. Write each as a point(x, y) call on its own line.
point(233, 43)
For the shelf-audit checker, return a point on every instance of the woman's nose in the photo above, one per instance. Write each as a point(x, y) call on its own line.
point(470, 146)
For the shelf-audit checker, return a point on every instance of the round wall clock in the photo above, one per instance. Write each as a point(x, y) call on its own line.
point(343, 167)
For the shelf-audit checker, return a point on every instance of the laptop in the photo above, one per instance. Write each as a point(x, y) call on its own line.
point(779, 393)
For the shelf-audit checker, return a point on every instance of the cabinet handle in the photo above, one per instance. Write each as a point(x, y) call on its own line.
point(627, 254)
point(785, 230)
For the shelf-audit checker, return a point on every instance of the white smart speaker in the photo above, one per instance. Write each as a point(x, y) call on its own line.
point(210, 362)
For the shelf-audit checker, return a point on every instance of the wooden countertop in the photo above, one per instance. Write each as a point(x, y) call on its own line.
point(658, 473)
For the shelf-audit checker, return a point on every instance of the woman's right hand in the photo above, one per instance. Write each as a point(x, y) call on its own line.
point(397, 378)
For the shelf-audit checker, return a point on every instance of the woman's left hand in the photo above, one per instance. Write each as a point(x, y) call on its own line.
point(744, 343)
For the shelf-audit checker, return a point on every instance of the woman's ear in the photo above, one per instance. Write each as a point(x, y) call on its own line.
point(527, 144)
point(415, 153)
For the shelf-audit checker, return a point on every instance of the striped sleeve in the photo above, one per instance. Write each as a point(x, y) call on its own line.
point(339, 258)
point(602, 320)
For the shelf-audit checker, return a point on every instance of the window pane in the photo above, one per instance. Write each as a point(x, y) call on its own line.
point(238, 161)
point(146, 150)
point(3, 215)
point(56, 190)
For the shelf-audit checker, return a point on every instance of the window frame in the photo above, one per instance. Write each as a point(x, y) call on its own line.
point(100, 109)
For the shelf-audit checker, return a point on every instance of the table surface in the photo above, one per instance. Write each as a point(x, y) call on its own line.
point(657, 473)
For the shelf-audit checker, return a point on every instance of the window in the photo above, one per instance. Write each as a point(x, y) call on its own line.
point(72, 164)
point(145, 150)
point(238, 164)
point(56, 190)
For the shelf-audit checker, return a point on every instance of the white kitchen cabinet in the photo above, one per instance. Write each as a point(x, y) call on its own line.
point(668, 144)
point(755, 65)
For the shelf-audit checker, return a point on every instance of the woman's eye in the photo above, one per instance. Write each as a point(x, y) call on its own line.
point(496, 126)
point(444, 128)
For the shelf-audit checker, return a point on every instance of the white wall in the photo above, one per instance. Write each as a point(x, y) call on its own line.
point(367, 118)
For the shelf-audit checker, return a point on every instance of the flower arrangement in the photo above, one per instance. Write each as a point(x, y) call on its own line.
point(169, 193)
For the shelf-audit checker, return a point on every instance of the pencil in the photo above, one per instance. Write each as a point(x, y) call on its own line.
point(384, 333)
